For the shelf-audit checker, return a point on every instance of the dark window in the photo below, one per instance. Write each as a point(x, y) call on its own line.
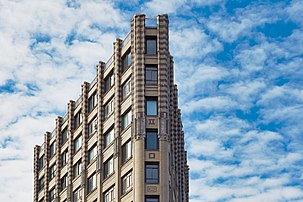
point(108, 82)
point(41, 184)
point(77, 143)
point(126, 119)
point(127, 182)
point(108, 167)
point(92, 153)
point(109, 108)
point(52, 149)
point(109, 195)
point(151, 74)
point(126, 60)
point(151, 198)
point(92, 183)
point(151, 173)
point(77, 195)
point(64, 136)
point(64, 158)
point(92, 102)
point(126, 89)
point(151, 106)
point(77, 169)
point(151, 140)
point(151, 45)
point(63, 182)
point(126, 151)
point(41, 163)
point(109, 137)
point(52, 171)
point(77, 120)
point(52, 194)
point(92, 127)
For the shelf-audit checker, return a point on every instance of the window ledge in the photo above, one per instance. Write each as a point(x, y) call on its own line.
point(129, 190)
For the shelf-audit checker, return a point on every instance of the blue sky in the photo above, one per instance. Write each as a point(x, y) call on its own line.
point(238, 66)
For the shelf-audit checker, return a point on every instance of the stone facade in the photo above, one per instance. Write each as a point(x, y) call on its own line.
point(122, 140)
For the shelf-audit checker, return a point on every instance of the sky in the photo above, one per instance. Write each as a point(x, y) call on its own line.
point(238, 66)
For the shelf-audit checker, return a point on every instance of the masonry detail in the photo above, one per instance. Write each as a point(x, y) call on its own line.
point(123, 139)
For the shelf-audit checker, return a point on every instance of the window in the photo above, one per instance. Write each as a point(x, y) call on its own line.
point(126, 60)
point(77, 120)
point(41, 163)
point(77, 195)
point(63, 182)
point(64, 136)
point(151, 198)
point(151, 74)
point(77, 169)
point(92, 183)
point(64, 158)
point(151, 173)
point(52, 149)
point(108, 167)
point(151, 140)
point(109, 108)
point(52, 194)
point(77, 143)
point(127, 182)
point(109, 195)
point(126, 89)
point(92, 127)
point(126, 119)
point(52, 171)
point(126, 151)
point(109, 137)
point(151, 45)
point(92, 102)
point(151, 106)
point(108, 81)
point(41, 184)
point(92, 153)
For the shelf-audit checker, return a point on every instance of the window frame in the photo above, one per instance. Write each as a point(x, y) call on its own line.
point(78, 194)
point(64, 157)
point(93, 150)
point(52, 149)
point(40, 184)
point(52, 171)
point(92, 127)
point(77, 169)
point(41, 163)
point(153, 167)
point(92, 102)
point(52, 194)
point(109, 108)
point(91, 179)
point(127, 152)
point(148, 50)
point(108, 167)
point(64, 135)
point(109, 81)
point(153, 71)
point(147, 140)
point(76, 145)
point(151, 197)
point(126, 60)
point(109, 133)
point(109, 195)
point(78, 118)
point(63, 181)
point(151, 99)
point(126, 88)
point(127, 182)
point(127, 118)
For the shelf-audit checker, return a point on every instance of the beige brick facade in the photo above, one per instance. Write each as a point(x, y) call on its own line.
point(122, 140)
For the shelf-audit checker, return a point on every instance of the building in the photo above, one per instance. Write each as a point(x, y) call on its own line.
point(122, 140)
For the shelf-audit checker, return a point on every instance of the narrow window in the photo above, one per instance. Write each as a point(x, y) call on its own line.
point(108, 81)
point(151, 74)
point(77, 169)
point(77, 143)
point(126, 119)
point(151, 173)
point(109, 108)
point(77, 120)
point(52, 194)
point(127, 182)
point(92, 153)
point(126, 89)
point(52, 149)
point(92, 183)
point(41, 163)
point(52, 171)
point(92, 127)
point(64, 158)
point(126, 151)
point(92, 102)
point(108, 167)
point(109, 137)
point(151, 106)
point(126, 60)
point(64, 136)
point(151, 45)
point(109, 195)
point(151, 140)
point(63, 182)
point(77, 195)
point(151, 198)
point(41, 184)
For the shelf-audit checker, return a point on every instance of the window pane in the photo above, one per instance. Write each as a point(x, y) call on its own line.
point(152, 173)
point(151, 46)
point(151, 140)
point(126, 120)
point(109, 137)
point(151, 107)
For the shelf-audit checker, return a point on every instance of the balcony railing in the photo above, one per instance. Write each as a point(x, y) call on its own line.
point(126, 39)
point(109, 62)
point(151, 22)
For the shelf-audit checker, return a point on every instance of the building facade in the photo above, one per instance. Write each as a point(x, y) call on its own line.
point(122, 140)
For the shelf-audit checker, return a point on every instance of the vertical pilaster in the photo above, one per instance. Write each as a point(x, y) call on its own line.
point(100, 92)
point(58, 156)
point(70, 126)
point(138, 46)
point(36, 171)
point(46, 167)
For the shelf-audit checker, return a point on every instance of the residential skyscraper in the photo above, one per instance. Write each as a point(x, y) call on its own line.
point(122, 140)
